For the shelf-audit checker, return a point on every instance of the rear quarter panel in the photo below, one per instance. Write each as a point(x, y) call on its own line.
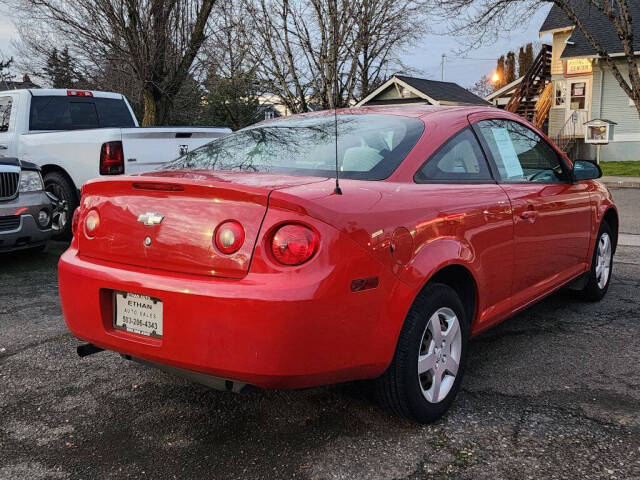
point(147, 148)
point(76, 151)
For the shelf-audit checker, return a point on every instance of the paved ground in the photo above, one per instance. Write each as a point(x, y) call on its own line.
point(628, 203)
point(553, 393)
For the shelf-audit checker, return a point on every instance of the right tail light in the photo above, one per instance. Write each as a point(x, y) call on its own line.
point(294, 244)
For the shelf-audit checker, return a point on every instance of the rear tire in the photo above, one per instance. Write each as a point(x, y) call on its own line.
point(428, 365)
point(61, 187)
point(599, 276)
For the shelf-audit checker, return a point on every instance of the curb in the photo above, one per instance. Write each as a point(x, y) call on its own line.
point(632, 182)
point(629, 239)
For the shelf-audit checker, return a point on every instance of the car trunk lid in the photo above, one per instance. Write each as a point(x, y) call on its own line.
point(167, 220)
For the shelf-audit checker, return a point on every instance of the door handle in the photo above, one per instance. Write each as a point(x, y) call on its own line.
point(528, 215)
point(3, 147)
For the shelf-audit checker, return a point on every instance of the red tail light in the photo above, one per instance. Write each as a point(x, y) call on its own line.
point(294, 244)
point(74, 221)
point(79, 93)
point(229, 237)
point(160, 187)
point(111, 159)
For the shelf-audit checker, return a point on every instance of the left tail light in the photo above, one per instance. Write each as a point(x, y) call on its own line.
point(111, 158)
point(229, 237)
point(74, 221)
point(294, 244)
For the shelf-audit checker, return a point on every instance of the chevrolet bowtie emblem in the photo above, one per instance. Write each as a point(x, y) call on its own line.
point(150, 218)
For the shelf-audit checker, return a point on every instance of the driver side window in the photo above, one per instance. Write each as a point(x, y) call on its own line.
point(520, 154)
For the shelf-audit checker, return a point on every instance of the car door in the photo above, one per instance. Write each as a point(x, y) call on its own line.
point(458, 182)
point(551, 214)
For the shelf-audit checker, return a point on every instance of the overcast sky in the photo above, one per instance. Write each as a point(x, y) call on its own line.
point(425, 57)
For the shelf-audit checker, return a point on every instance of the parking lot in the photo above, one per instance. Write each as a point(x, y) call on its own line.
point(552, 393)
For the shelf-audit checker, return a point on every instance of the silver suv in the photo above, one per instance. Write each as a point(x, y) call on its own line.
point(28, 214)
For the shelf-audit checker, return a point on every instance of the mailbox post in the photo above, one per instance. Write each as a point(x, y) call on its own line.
point(599, 132)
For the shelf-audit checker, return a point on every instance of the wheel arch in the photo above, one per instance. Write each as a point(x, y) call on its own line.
point(611, 217)
point(461, 279)
point(48, 168)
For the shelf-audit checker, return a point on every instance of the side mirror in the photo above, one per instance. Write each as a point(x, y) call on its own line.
point(584, 170)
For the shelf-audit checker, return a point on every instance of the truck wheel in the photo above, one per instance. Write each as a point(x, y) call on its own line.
point(427, 367)
point(61, 187)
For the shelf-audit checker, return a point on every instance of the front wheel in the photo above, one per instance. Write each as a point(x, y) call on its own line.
point(427, 367)
point(601, 266)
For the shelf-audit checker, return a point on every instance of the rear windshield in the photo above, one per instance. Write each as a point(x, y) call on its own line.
point(370, 147)
point(73, 113)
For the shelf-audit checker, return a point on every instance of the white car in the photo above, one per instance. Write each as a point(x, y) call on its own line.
point(77, 135)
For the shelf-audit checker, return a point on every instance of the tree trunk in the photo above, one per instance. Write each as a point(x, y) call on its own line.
point(149, 118)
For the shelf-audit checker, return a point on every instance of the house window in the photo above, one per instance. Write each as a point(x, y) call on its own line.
point(268, 115)
point(560, 94)
point(578, 95)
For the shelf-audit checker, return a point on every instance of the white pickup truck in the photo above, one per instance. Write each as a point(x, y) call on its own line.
point(77, 135)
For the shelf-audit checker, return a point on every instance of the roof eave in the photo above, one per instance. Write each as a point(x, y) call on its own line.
point(568, 28)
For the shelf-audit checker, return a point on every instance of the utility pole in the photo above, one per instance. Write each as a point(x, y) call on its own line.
point(442, 68)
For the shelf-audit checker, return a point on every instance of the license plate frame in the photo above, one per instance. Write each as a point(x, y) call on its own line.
point(137, 313)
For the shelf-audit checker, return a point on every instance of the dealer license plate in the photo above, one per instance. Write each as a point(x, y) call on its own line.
point(138, 314)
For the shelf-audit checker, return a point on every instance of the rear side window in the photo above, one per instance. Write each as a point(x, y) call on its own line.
point(5, 113)
point(73, 113)
point(460, 159)
point(520, 154)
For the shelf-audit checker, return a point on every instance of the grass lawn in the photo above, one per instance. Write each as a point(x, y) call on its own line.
point(623, 169)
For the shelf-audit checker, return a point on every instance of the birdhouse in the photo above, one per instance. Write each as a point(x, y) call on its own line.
point(599, 131)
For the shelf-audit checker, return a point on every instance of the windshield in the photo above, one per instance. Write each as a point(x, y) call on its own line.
point(370, 147)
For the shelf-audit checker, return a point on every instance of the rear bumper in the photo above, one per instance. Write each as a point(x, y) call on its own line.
point(259, 330)
point(26, 233)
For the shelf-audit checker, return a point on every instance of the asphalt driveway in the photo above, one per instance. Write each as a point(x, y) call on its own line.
point(552, 393)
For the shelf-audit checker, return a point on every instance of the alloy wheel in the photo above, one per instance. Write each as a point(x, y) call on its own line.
point(439, 356)
point(603, 260)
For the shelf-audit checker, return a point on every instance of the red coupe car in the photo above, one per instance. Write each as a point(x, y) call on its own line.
point(241, 263)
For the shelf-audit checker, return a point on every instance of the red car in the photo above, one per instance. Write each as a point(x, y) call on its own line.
point(240, 263)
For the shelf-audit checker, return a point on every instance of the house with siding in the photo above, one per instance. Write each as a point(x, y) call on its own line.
point(584, 88)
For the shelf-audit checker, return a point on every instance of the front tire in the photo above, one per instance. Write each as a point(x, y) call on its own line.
point(601, 266)
point(59, 185)
point(428, 365)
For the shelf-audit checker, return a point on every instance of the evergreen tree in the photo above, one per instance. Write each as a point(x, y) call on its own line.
point(500, 71)
point(61, 70)
point(529, 55)
point(510, 68)
point(525, 59)
point(522, 62)
point(231, 102)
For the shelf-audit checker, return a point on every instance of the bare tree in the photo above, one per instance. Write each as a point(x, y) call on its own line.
point(483, 87)
point(156, 41)
point(232, 88)
point(483, 20)
point(5, 75)
point(330, 52)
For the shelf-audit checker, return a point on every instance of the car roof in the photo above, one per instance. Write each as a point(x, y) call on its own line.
point(420, 110)
point(63, 92)
point(405, 110)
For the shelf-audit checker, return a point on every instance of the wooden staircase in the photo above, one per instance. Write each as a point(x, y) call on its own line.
point(533, 95)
